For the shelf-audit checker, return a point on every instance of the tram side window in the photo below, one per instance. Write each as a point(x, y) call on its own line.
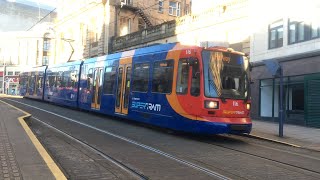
point(74, 78)
point(32, 81)
point(109, 79)
point(162, 76)
point(36, 82)
point(84, 70)
point(60, 82)
point(66, 79)
point(52, 81)
point(195, 81)
point(23, 80)
point(90, 79)
point(40, 81)
point(140, 79)
point(183, 74)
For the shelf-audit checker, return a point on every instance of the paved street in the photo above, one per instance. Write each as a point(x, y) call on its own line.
point(231, 156)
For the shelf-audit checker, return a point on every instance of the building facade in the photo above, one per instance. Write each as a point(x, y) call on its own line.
point(21, 49)
point(24, 41)
point(87, 29)
point(293, 40)
point(20, 17)
point(226, 23)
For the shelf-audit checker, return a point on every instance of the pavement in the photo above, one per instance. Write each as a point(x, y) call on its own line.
point(23, 157)
point(293, 135)
point(21, 154)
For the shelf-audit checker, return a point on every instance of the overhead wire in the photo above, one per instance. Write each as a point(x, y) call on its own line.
point(42, 19)
point(127, 16)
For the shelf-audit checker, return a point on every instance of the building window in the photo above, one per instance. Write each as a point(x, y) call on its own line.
point(45, 60)
point(17, 73)
point(160, 6)
point(46, 44)
point(125, 26)
point(276, 35)
point(129, 25)
point(10, 73)
point(293, 98)
point(187, 10)
point(300, 31)
point(174, 8)
point(46, 49)
point(94, 36)
point(126, 2)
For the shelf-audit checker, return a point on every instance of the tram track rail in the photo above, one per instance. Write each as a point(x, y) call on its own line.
point(273, 160)
point(124, 167)
point(197, 167)
point(251, 150)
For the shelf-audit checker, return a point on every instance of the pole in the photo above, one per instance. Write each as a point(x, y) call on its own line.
point(281, 112)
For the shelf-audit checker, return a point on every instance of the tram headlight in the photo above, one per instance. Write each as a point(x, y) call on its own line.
point(248, 106)
point(211, 104)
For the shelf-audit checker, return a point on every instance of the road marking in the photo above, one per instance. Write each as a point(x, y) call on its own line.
point(43, 153)
point(190, 164)
point(272, 140)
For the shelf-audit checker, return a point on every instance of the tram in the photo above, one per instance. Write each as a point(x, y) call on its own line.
point(184, 88)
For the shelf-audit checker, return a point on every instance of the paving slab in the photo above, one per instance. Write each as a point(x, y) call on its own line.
point(19, 155)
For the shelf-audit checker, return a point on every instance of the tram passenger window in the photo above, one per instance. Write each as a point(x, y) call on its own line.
point(67, 79)
point(89, 79)
point(183, 76)
point(109, 79)
point(162, 76)
point(52, 78)
point(59, 79)
point(74, 78)
point(84, 69)
point(140, 78)
point(195, 81)
point(62, 80)
point(32, 81)
point(36, 82)
point(40, 81)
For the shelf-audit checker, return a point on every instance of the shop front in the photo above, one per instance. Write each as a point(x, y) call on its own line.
point(11, 85)
point(301, 97)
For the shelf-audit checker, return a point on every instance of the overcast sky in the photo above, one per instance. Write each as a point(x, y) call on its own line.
point(47, 4)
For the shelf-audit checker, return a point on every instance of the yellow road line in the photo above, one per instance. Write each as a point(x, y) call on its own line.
point(46, 157)
point(275, 140)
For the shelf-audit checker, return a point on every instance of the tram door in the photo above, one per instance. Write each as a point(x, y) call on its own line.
point(123, 88)
point(97, 88)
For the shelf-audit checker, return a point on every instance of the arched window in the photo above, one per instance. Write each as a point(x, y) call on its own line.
point(46, 49)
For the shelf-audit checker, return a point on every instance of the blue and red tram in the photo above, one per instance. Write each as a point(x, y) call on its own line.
point(184, 88)
point(32, 81)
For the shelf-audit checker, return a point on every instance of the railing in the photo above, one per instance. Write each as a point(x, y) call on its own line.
point(219, 14)
point(150, 34)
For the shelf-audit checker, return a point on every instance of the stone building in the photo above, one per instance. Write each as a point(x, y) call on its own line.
point(87, 29)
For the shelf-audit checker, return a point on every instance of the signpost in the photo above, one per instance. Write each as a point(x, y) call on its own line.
point(276, 70)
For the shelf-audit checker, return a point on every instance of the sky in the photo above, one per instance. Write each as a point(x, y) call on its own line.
point(46, 4)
